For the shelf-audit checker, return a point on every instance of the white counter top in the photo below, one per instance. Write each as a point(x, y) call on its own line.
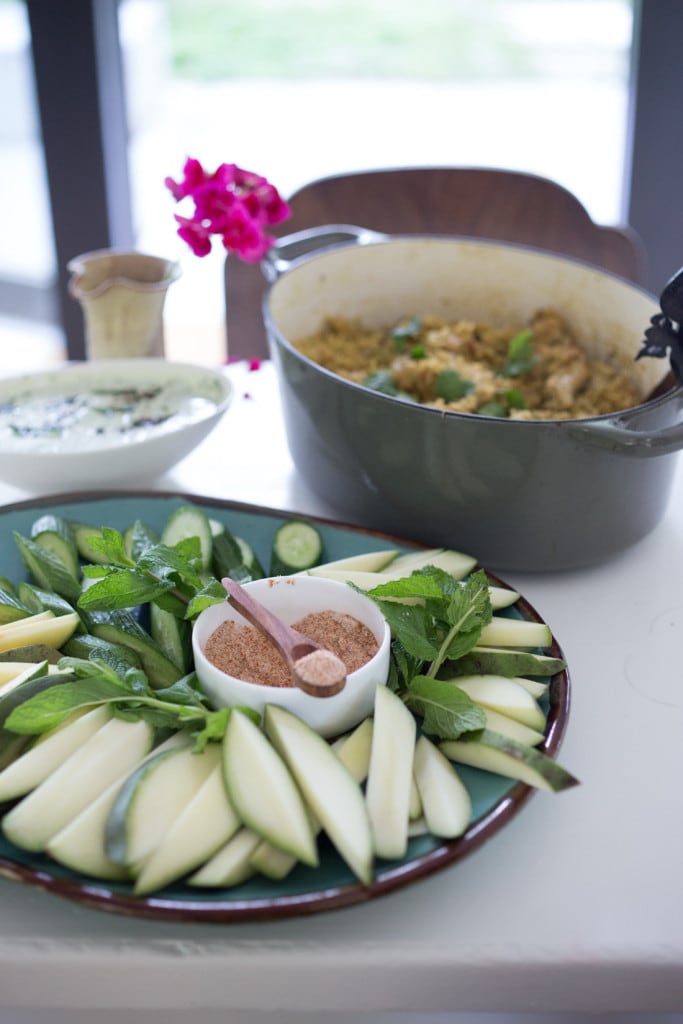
point(576, 905)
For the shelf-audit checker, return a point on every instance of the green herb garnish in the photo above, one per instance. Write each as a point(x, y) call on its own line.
point(181, 706)
point(441, 621)
point(405, 332)
point(520, 355)
point(450, 386)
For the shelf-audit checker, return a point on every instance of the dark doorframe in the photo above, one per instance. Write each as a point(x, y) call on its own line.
point(653, 191)
point(81, 100)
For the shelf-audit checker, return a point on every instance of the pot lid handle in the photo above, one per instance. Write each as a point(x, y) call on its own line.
point(665, 332)
point(290, 248)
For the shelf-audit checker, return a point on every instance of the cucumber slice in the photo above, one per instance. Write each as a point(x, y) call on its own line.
point(297, 545)
point(46, 600)
point(505, 696)
point(189, 521)
point(369, 561)
point(265, 796)
point(202, 828)
point(47, 569)
point(501, 597)
point(42, 628)
point(152, 798)
point(113, 749)
point(121, 627)
point(502, 632)
point(44, 757)
point(502, 661)
point(83, 534)
point(93, 647)
point(54, 534)
point(446, 803)
point(256, 570)
point(228, 560)
point(353, 750)
point(391, 773)
point(328, 787)
point(504, 756)
point(32, 653)
point(36, 680)
point(456, 563)
point(13, 607)
point(80, 845)
point(231, 865)
point(173, 636)
point(512, 728)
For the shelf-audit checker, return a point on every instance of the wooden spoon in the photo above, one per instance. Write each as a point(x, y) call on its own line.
point(313, 669)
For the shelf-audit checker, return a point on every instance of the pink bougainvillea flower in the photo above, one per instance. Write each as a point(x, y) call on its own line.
point(230, 203)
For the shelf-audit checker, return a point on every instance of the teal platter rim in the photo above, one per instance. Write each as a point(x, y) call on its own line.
point(306, 891)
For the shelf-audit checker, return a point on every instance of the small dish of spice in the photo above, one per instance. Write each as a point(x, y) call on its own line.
point(237, 665)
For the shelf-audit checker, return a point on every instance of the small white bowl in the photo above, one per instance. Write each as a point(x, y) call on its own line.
point(88, 448)
point(290, 598)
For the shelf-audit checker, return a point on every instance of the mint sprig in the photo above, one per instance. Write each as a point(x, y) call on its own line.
point(182, 706)
point(434, 618)
point(170, 576)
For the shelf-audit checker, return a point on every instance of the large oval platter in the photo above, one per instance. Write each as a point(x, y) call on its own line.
point(306, 890)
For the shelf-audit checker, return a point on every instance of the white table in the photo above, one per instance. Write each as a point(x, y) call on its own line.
point(577, 905)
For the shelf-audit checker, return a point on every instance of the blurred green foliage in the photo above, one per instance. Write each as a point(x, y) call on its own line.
point(440, 39)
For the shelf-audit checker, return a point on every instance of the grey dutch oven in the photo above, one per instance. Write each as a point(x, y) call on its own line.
point(519, 495)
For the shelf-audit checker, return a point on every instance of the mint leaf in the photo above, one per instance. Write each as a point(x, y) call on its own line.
point(122, 588)
point(167, 563)
point(412, 625)
point(446, 710)
point(141, 538)
point(47, 709)
point(212, 592)
point(467, 612)
point(110, 544)
point(420, 584)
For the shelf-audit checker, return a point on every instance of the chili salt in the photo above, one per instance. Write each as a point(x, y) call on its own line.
point(241, 651)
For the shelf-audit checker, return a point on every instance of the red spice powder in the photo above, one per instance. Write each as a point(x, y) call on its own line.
point(242, 651)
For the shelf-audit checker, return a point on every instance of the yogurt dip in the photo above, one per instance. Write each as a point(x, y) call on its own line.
point(68, 411)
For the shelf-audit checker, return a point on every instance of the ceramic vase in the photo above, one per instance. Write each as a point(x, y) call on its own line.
point(122, 295)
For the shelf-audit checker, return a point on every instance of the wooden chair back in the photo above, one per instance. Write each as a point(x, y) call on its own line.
point(500, 205)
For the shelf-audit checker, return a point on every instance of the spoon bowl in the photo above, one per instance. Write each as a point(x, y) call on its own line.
point(313, 669)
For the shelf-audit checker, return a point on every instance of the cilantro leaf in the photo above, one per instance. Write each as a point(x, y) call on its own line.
point(446, 710)
point(450, 386)
point(520, 354)
point(405, 332)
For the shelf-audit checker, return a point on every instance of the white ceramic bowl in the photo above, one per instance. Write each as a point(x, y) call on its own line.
point(106, 421)
point(290, 598)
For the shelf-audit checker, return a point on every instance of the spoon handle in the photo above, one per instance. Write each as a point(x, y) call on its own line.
point(286, 639)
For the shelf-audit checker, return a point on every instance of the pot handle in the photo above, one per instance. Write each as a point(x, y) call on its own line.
point(610, 434)
point(290, 248)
